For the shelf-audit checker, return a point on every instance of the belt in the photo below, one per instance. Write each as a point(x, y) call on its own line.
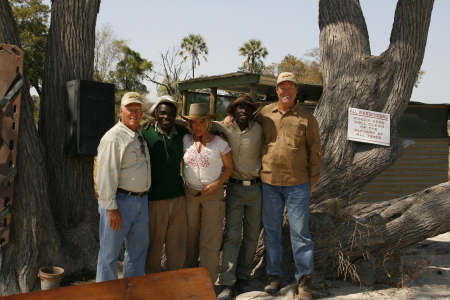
point(245, 182)
point(131, 193)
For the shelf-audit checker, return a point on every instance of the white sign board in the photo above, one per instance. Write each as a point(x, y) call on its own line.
point(369, 127)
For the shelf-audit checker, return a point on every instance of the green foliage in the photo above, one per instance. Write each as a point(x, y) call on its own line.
point(254, 51)
point(419, 76)
point(259, 67)
point(32, 21)
point(194, 47)
point(130, 72)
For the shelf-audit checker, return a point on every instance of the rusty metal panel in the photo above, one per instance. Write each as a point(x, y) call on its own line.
point(11, 65)
point(424, 163)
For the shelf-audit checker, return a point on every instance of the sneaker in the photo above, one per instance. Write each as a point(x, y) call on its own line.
point(242, 286)
point(226, 293)
point(273, 284)
point(304, 288)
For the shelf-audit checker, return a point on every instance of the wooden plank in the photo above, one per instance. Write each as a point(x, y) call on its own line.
point(192, 283)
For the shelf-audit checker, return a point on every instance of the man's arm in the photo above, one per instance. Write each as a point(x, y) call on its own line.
point(108, 168)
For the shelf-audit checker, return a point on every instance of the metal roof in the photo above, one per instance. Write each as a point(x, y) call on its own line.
point(240, 82)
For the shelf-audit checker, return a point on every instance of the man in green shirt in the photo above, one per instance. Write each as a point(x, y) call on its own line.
point(167, 205)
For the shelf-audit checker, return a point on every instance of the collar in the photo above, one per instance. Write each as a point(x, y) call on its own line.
point(171, 133)
point(128, 131)
point(294, 109)
point(238, 129)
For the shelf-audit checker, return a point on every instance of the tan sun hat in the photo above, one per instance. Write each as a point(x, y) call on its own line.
point(199, 111)
point(242, 100)
point(131, 97)
point(286, 76)
point(161, 100)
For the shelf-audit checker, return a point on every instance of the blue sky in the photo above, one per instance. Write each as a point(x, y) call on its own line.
point(285, 27)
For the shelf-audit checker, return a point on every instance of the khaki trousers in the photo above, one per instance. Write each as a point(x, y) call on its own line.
point(167, 226)
point(205, 216)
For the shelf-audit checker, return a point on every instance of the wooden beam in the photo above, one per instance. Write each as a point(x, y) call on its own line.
point(185, 103)
point(213, 100)
point(192, 283)
point(218, 82)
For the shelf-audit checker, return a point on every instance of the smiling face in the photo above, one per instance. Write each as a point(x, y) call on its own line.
point(131, 115)
point(198, 127)
point(286, 91)
point(165, 116)
point(242, 114)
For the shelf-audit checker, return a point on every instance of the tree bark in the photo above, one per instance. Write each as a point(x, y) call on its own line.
point(343, 232)
point(70, 56)
point(54, 219)
point(33, 238)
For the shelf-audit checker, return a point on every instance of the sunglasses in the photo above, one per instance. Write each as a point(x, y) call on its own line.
point(141, 140)
point(199, 193)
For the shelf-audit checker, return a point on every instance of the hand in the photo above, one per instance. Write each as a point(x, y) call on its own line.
point(115, 220)
point(149, 123)
point(210, 188)
point(228, 121)
point(221, 135)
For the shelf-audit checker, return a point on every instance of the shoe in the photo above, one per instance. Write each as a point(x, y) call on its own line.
point(226, 293)
point(304, 288)
point(242, 286)
point(273, 284)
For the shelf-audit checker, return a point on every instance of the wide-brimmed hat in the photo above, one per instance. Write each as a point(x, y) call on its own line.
point(286, 76)
point(161, 100)
point(243, 100)
point(199, 111)
point(131, 97)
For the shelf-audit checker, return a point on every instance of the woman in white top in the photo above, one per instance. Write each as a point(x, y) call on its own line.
point(205, 155)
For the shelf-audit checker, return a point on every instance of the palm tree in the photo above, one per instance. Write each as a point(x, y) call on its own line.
point(254, 51)
point(194, 46)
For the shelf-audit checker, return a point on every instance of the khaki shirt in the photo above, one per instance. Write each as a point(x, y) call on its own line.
point(291, 152)
point(121, 164)
point(245, 148)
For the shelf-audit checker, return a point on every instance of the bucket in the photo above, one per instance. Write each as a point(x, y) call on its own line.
point(50, 277)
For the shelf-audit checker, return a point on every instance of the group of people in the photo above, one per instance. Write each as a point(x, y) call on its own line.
point(270, 160)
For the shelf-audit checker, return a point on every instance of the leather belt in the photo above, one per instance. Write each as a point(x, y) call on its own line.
point(245, 182)
point(131, 193)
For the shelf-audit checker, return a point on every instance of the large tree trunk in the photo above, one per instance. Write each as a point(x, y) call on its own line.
point(54, 219)
point(70, 55)
point(33, 239)
point(343, 232)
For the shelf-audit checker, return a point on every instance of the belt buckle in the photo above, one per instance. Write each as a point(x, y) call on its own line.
point(246, 183)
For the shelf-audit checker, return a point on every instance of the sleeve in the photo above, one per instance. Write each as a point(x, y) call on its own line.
point(223, 147)
point(108, 169)
point(314, 150)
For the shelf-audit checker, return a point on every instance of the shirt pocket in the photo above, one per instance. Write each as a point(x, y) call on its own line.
point(295, 135)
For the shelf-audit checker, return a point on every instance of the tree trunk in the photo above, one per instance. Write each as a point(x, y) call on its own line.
point(70, 55)
point(33, 239)
point(343, 232)
point(54, 219)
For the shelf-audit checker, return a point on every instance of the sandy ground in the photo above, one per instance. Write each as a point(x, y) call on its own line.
point(423, 272)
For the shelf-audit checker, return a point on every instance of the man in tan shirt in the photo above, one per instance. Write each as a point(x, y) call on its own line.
point(291, 161)
point(123, 179)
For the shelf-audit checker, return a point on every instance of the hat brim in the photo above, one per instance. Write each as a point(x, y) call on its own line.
point(232, 105)
point(153, 108)
point(198, 117)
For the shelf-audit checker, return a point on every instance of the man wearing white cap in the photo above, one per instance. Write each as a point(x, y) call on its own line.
point(167, 204)
point(123, 179)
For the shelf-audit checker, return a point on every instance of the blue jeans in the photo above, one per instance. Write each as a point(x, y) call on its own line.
point(134, 232)
point(296, 199)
